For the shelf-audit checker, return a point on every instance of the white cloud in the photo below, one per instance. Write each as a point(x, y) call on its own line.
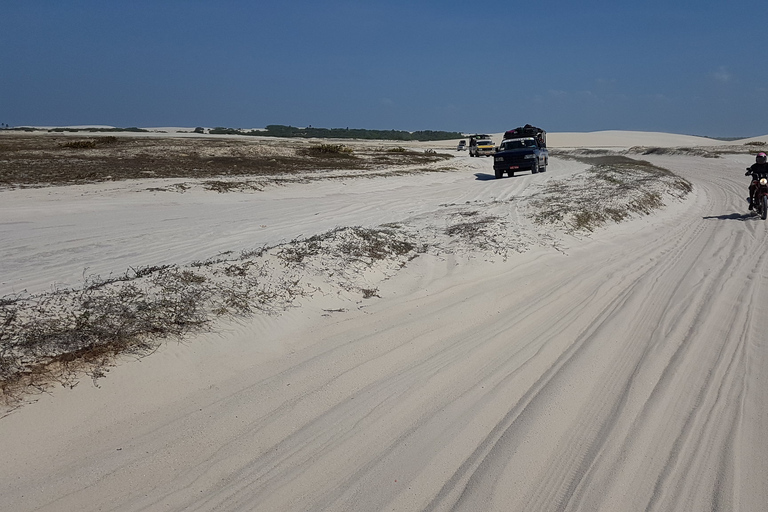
point(722, 74)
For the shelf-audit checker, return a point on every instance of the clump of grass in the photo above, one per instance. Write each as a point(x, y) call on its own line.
point(80, 144)
point(587, 219)
point(477, 231)
point(224, 186)
point(471, 230)
point(95, 282)
point(56, 336)
point(352, 242)
point(755, 143)
point(298, 250)
point(335, 149)
point(683, 185)
point(221, 186)
point(90, 143)
point(613, 189)
point(375, 244)
point(175, 187)
point(467, 213)
point(253, 253)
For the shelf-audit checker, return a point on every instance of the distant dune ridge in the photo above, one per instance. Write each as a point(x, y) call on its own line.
point(604, 138)
point(501, 363)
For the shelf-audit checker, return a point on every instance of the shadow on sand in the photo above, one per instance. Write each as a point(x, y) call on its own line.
point(481, 176)
point(734, 216)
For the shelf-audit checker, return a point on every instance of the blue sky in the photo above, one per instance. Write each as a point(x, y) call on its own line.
point(676, 66)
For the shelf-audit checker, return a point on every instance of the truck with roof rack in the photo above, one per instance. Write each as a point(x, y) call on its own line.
point(522, 149)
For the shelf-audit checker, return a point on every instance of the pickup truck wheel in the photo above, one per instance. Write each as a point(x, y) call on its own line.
point(535, 168)
point(499, 174)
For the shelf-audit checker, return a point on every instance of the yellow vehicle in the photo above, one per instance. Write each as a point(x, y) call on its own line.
point(482, 147)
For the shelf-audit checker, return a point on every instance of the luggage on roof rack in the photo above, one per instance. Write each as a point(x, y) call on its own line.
point(527, 131)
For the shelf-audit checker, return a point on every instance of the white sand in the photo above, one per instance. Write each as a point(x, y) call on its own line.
point(624, 371)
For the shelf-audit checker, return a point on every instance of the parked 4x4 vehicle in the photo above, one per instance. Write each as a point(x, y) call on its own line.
point(522, 149)
point(482, 147)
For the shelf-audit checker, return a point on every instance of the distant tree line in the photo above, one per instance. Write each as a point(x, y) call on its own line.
point(93, 130)
point(131, 129)
point(278, 130)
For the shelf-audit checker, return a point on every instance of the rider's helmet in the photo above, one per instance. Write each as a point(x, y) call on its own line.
point(760, 158)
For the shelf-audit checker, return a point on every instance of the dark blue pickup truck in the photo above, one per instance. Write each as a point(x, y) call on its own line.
point(523, 149)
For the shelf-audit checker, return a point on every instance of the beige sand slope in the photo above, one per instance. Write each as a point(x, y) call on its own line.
point(618, 372)
point(614, 138)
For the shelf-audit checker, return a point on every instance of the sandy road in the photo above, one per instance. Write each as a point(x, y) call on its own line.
point(626, 373)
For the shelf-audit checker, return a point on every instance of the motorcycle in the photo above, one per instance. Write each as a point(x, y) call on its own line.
point(760, 198)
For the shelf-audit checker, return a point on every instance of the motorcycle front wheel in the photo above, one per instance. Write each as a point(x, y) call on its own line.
point(764, 205)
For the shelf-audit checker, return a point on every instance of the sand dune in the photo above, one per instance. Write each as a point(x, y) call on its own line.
point(621, 370)
point(613, 138)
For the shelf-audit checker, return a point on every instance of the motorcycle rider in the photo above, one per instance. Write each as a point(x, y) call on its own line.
point(759, 168)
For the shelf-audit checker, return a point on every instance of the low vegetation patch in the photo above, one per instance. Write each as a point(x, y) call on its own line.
point(475, 229)
point(223, 186)
point(90, 143)
point(698, 151)
point(51, 160)
point(614, 188)
point(59, 336)
point(704, 152)
point(355, 243)
point(335, 149)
